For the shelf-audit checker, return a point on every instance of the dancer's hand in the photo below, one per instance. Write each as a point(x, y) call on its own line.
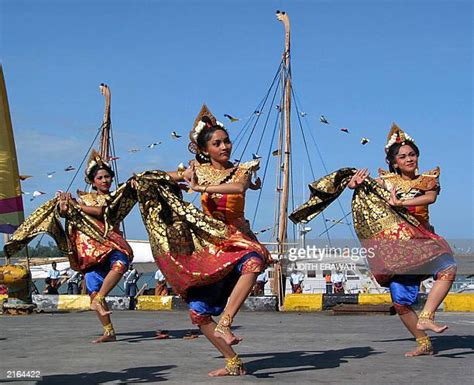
point(393, 200)
point(64, 198)
point(358, 178)
point(188, 173)
point(191, 178)
point(134, 183)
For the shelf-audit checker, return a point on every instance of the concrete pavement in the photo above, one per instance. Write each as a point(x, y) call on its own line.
point(278, 348)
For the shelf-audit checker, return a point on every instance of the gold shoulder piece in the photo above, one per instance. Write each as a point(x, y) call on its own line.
point(434, 173)
point(92, 199)
point(252, 165)
point(385, 174)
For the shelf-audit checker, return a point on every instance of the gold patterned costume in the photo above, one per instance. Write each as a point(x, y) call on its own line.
point(409, 189)
point(85, 239)
point(399, 242)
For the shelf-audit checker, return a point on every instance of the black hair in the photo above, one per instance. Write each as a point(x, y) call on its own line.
point(95, 169)
point(393, 152)
point(205, 136)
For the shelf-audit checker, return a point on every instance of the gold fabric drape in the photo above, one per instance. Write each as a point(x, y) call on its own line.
point(190, 247)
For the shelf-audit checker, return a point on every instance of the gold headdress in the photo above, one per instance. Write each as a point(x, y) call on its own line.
point(397, 135)
point(94, 159)
point(199, 125)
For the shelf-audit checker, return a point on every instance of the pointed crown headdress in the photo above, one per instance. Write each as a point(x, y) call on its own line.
point(397, 135)
point(95, 159)
point(199, 125)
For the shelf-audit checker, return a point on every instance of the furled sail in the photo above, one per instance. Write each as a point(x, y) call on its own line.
point(11, 203)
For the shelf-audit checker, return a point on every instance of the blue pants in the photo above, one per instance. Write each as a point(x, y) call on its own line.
point(404, 288)
point(95, 276)
point(212, 299)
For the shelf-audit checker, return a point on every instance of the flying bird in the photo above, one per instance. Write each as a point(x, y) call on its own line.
point(113, 158)
point(25, 177)
point(337, 221)
point(323, 119)
point(153, 144)
point(51, 174)
point(276, 152)
point(303, 114)
point(134, 150)
point(263, 230)
point(36, 194)
point(364, 141)
point(175, 135)
point(69, 168)
point(231, 118)
point(346, 130)
point(256, 156)
point(257, 112)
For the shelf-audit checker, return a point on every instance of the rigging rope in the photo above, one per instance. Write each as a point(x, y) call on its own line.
point(295, 97)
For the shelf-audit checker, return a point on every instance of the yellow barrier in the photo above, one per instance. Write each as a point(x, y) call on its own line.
point(303, 302)
point(375, 299)
point(73, 302)
point(459, 302)
point(154, 302)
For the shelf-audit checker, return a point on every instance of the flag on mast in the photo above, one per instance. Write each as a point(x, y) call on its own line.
point(11, 202)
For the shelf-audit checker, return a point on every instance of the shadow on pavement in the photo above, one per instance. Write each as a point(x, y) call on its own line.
point(443, 343)
point(130, 375)
point(144, 335)
point(299, 361)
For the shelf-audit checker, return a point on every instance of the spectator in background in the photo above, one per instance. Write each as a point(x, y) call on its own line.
point(160, 283)
point(49, 288)
point(75, 278)
point(259, 287)
point(327, 278)
point(338, 280)
point(54, 275)
point(296, 281)
point(130, 281)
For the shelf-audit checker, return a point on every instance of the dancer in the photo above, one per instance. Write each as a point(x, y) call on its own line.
point(228, 266)
point(391, 219)
point(103, 263)
point(92, 240)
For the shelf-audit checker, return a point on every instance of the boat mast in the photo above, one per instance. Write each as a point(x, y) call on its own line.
point(105, 136)
point(286, 108)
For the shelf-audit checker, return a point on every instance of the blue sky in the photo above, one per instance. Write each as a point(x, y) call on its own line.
point(363, 64)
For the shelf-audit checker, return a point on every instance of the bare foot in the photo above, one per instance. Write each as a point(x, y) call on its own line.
point(99, 308)
point(426, 324)
point(228, 337)
point(105, 338)
point(224, 372)
point(419, 352)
